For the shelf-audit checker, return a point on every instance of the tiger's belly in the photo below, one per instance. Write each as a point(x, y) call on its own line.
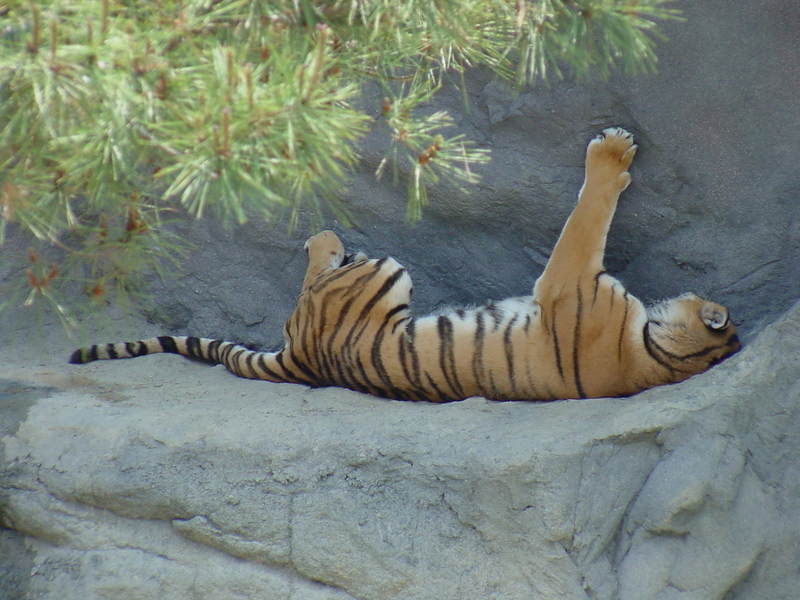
point(502, 351)
point(498, 351)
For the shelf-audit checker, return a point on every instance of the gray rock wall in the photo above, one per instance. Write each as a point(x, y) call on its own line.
point(714, 206)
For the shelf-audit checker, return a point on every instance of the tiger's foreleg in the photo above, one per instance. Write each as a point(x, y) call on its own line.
point(581, 246)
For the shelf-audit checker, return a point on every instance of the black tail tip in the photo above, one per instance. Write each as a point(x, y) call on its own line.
point(79, 357)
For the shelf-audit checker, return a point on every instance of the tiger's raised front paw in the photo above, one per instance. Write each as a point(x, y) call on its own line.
point(609, 155)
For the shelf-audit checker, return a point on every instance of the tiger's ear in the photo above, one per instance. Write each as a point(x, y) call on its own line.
point(714, 316)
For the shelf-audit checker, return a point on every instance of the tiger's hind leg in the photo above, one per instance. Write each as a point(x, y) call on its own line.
point(325, 251)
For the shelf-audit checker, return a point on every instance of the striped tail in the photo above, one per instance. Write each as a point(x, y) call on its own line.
point(237, 359)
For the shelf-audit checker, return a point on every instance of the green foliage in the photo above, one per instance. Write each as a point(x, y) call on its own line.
point(116, 116)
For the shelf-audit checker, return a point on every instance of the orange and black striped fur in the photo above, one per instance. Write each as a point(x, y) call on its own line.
point(580, 334)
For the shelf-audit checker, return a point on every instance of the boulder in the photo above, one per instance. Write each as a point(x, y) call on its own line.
point(161, 478)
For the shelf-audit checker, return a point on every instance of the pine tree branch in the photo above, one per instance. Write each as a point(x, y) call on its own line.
point(244, 107)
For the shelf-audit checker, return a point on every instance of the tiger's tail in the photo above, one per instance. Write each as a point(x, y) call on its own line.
point(237, 359)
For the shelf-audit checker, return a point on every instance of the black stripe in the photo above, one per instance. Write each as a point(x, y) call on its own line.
point(401, 354)
point(225, 353)
point(93, 354)
point(168, 344)
point(369, 386)
point(494, 393)
point(496, 313)
point(377, 361)
point(312, 338)
point(342, 370)
point(78, 357)
point(621, 327)
point(363, 317)
point(557, 348)
point(477, 356)
point(112, 351)
point(213, 350)
point(194, 347)
point(313, 377)
point(447, 357)
point(345, 270)
point(411, 332)
point(409, 359)
point(249, 362)
point(350, 355)
point(307, 332)
point(341, 354)
point(404, 350)
point(377, 358)
point(700, 353)
point(291, 324)
point(235, 360)
point(697, 354)
point(399, 322)
point(355, 290)
point(262, 364)
point(576, 341)
point(324, 278)
point(442, 397)
point(651, 347)
point(334, 369)
point(288, 374)
point(530, 383)
point(596, 286)
point(393, 312)
point(229, 360)
point(322, 357)
point(509, 350)
point(352, 371)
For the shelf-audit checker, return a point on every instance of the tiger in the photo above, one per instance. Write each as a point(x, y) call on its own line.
point(579, 335)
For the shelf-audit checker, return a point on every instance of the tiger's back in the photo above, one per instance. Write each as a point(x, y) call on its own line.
point(579, 334)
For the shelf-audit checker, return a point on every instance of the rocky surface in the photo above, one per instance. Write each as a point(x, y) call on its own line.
point(160, 478)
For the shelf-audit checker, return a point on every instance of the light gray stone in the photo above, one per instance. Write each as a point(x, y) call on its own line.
point(161, 478)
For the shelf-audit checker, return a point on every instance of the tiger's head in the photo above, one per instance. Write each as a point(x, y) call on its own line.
point(690, 334)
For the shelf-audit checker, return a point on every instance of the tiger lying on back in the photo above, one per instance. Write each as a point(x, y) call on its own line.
point(580, 335)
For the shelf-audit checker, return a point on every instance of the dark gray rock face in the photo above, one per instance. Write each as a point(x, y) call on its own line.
point(714, 206)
